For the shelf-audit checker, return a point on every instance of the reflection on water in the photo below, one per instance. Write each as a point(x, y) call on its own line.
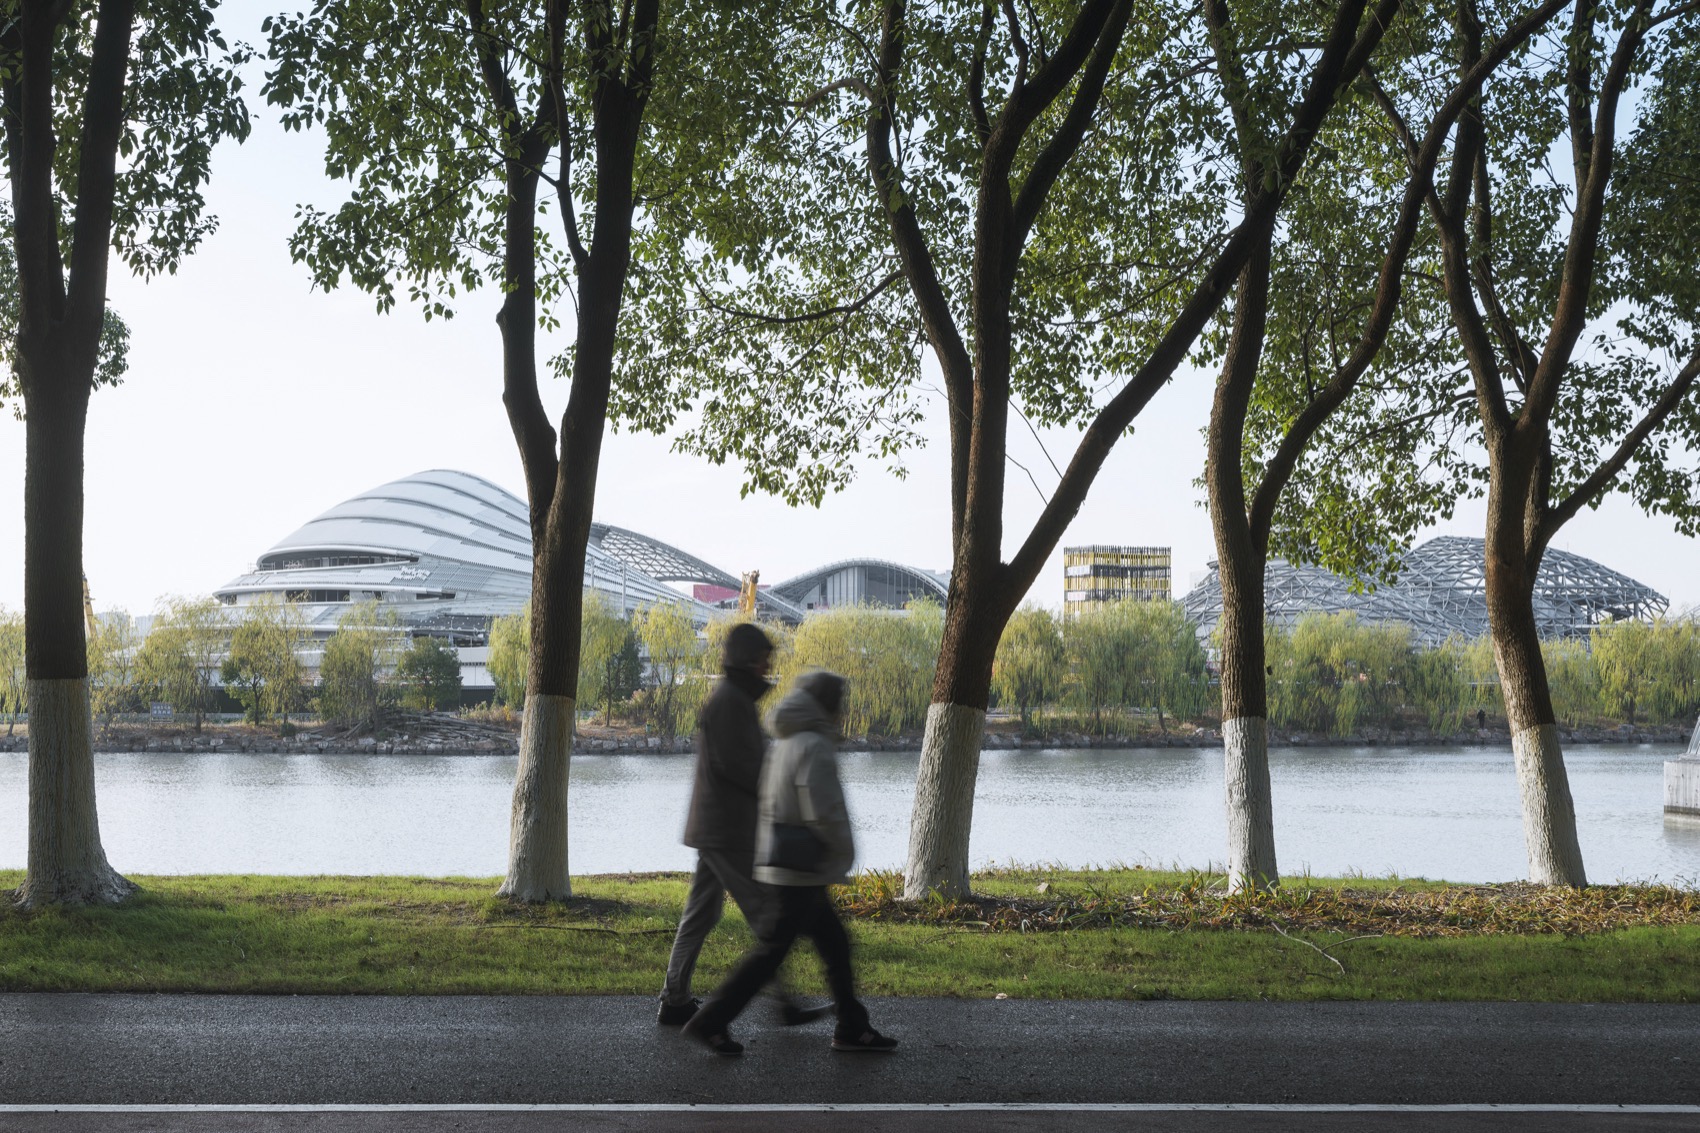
point(1417, 812)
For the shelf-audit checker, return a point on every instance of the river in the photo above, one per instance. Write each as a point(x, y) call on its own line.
point(1417, 812)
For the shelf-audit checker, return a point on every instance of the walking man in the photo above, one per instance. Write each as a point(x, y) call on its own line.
point(804, 844)
point(721, 825)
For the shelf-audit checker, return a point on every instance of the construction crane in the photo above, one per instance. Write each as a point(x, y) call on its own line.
point(88, 606)
point(747, 595)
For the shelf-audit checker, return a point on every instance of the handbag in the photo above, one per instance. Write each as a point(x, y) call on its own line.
point(795, 846)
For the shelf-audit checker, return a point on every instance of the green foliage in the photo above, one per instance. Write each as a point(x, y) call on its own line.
point(1030, 667)
point(114, 354)
point(1403, 454)
point(14, 681)
point(113, 650)
point(263, 665)
point(675, 686)
point(356, 670)
point(1134, 654)
point(429, 675)
point(610, 668)
point(887, 656)
point(784, 294)
point(400, 92)
point(1572, 679)
point(180, 656)
point(1332, 673)
point(1651, 669)
point(182, 96)
point(510, 647)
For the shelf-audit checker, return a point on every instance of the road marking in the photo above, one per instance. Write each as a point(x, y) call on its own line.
point(848, 1107)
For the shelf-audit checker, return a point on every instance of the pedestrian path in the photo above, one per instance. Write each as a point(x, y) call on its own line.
point(522, 1065)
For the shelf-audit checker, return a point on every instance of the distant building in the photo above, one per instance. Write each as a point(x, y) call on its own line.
point(863, 582)
point(1102, 573)
point(1441, 592)
point(448, 552)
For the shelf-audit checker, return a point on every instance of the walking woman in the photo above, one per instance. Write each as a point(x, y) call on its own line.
point(803, 845)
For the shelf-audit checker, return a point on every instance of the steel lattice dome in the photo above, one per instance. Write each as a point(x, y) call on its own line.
point(1442, 591)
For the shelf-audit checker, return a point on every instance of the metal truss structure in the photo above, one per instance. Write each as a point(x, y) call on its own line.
point(1442, 591)
point(666, 563)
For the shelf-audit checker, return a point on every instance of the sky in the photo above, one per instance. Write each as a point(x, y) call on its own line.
point(254, 402)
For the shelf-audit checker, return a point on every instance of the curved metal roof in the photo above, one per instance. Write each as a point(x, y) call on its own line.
point(448, 546)
point(1441, 591)
point(797, 589)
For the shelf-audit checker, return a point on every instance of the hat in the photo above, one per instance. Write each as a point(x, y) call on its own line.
point(746, 646)
point(826, 687)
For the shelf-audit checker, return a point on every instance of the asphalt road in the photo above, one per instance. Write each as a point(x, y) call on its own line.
point(116, 1051)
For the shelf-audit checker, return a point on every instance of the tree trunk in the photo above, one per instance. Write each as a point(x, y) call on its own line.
point(943, 814)
point(1549, 815)
point(1241, 554)
point(537, 836)
point(66, 863)
point(944, 802)
point(563, 490)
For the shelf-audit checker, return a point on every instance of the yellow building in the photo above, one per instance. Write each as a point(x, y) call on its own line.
point(1107, 574)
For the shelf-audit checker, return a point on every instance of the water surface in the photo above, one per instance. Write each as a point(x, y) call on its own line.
point(1416, 812)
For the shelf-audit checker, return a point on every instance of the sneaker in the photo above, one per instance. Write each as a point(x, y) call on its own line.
point(795, 1015)
point(870, 1040)
point(719, 1042)
point(677, 1014)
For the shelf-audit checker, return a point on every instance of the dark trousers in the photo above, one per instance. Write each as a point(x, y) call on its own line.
point(719, 872)
point(801, 910)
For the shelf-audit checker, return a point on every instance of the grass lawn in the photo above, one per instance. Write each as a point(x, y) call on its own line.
point(1119, 935)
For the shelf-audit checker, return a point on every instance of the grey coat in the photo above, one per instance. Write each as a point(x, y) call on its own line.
point(800, 786)
point(730, 750)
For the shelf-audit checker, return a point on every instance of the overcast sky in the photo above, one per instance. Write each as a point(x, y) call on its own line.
point(253, 403)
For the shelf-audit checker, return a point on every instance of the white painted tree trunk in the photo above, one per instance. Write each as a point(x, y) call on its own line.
point(537, 838)
point(1251, 817)
point(1549, 815)
point(66, 864)
point(944, 802)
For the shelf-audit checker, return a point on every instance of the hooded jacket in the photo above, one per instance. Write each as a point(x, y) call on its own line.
point(800, 786)
point(730, 750)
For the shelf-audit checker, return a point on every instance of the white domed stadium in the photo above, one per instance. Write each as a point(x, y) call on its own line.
point(449, 552)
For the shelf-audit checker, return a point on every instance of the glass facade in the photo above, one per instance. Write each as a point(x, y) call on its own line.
point(1102, 573)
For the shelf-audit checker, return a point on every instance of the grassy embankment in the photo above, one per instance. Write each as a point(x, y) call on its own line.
point(1108, 934)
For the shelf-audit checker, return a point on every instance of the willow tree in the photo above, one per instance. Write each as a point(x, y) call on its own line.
point(461, 123)
point(1034, 196)
point(111, 111)
point(1313, 310)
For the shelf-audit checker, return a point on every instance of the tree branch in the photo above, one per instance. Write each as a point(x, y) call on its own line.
point(97, 165)
point(916, 256)
point(1559, 514)
point(555, 26)
point(1235, 88)
point(822, 313)
point(29, 151)
point(1065, 142)
point(977, 73)
point(1449, 211)
point(1328, 76)
point(1419, 191)
point(1576, 287)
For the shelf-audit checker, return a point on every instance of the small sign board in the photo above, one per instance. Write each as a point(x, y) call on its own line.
point(160, 710)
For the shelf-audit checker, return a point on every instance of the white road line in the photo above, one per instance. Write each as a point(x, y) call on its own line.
point(853, 1107)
